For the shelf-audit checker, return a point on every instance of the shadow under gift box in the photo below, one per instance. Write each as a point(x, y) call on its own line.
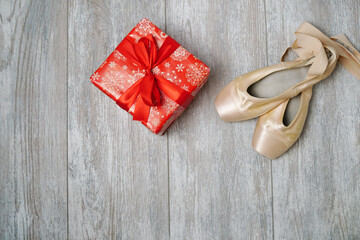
point(118, 73)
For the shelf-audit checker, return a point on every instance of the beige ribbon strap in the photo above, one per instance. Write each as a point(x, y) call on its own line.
point(349, 57)
point(307, 46)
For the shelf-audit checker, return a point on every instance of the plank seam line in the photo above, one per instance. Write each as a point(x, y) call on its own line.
point(271, 166)
point(67, 119)
point(167, 148)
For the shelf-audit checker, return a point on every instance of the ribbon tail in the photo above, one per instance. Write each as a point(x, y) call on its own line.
point(127, 99)
point(349, 56)
point(351, 67)
point(142, 111)
point(149, 92)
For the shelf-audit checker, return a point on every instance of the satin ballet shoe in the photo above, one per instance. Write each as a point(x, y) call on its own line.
point(277, 130)
point(272, 137)
point(235, 103)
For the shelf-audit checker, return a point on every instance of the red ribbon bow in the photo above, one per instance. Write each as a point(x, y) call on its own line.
point(146, 91)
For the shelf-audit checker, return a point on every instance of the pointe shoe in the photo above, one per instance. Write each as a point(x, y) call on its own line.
point(235, 103)
point(272, 137)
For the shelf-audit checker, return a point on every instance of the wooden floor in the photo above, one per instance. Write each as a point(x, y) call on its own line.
point(75, 166)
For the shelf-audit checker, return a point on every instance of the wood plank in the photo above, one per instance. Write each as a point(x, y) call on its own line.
point(219, 187)
point(117, 168)
point(33, 120)
point(316, 183)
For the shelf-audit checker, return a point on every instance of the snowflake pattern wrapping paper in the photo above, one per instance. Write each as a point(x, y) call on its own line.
point(118, 73)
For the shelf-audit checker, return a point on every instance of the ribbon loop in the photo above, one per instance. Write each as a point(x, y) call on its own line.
point(146, 91)
point(349, 57)
point(306, 46)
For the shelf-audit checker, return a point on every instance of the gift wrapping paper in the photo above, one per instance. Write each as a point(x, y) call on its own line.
point(118, 73)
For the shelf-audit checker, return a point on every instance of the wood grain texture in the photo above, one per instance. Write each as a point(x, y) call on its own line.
point(219, 187)
point(118, 179)
point(33, 108)
point(317, 183)
point(75, 166)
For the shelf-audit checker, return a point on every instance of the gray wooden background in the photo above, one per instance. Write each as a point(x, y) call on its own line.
point(74, 165)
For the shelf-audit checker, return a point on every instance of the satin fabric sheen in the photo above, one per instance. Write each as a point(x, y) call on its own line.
point(146, 91)
point(271, 138)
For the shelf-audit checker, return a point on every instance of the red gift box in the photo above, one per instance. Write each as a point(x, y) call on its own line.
point(151, 76)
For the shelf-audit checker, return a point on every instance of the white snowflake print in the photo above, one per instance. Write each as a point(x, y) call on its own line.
point(201, 84)
point(125, 67)
point(103, 64)
point(136, 75)
point(112, 64)
point(158, 38)
point(95, 77)
point(119, 56)
point(155, 116)
point(179, 67)
point(168, 105)
point(167, 64)
point(163, 35)
point(171, 119)
point(180, 54)
point(186, 88)
point(195, 73)
point(135, 36)
point(155, 70)
point(154, 119)
point(113, 81)
point(171, 76)
point(144, 27)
